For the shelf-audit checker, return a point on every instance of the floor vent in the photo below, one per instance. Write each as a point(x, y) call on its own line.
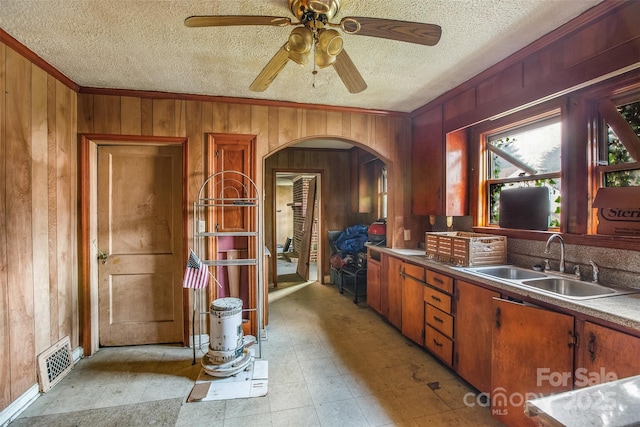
point(54, 364)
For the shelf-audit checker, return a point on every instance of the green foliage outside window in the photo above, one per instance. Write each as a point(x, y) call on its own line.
point(617, 152)
point(517, 157)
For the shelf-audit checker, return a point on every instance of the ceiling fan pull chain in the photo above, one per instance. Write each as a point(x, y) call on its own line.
point(315, 70)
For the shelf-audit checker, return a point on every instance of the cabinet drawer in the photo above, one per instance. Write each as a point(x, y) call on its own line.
point(414, 271)
point(440, 281)
point(439, 345)
point(437, 299)
point(439, 320)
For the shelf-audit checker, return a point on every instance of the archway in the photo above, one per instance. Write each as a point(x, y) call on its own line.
point(337, 162)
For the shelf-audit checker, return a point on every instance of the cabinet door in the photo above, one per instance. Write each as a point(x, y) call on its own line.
point(531, 347)
point(427, 158)
point(474, 320)
point(605, 354)
point(395, 292)
point(384, 285)
point(373, 286)
point(413, 309)
point(228, 152)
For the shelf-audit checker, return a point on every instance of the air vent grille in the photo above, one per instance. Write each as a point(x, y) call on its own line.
point(54, 364)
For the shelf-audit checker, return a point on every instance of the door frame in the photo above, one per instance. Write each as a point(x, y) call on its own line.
point(88, 227)
point(318, 173)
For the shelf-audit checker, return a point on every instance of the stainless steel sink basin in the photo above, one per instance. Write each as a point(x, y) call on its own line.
point(570, 288)
point(547, 282)
point(508, 272)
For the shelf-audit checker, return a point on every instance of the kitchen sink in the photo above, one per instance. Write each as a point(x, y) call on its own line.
point(570, 288)
point(547, 282)
point(508, 272)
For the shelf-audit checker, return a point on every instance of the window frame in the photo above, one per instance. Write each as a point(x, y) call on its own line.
point(601, 140)
point(553, 116)
point(480, 139)
point(579, 108)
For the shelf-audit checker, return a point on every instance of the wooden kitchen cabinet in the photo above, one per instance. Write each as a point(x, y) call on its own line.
point(413, 303)
point(474, 322)
point(531, 346)
point(427, 173)
point(439, 167)
point(439, 319)
point(604, 354)
point(394, 291)
point(373, 280)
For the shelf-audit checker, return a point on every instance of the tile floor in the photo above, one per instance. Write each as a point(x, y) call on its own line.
point(331, 363)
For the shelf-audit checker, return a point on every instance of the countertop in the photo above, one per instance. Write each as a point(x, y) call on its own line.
point(623, 310)
point(610, 404)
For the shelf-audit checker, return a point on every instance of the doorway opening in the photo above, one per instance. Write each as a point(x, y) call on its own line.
point(297, 221)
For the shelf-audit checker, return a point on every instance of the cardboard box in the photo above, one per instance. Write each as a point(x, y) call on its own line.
point(618, 211)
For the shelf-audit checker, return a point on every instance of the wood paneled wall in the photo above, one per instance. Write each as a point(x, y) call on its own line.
point(276, 127)
point(602, 41)
point(38, 217)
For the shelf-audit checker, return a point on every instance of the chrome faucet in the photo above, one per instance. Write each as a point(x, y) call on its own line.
point(595, 271)
point(546, 250)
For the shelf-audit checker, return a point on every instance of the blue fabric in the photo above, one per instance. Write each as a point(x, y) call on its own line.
point(352, 239)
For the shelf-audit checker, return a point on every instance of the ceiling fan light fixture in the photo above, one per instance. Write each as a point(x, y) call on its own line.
point(323, 60)
point(331, 42)
point(300, 44)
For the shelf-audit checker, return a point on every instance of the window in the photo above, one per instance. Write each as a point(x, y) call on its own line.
point(523, 156)
point(619, 146)
point(382, 193)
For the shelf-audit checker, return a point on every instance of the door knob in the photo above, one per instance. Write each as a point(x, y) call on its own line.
point(102, 256)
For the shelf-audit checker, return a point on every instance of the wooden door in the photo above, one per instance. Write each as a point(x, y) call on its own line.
point(140, 230)
point(309, 216)
point(395, 292)
point(531, 348)
point(474, 321)
point(605, 354)
point(233, 153)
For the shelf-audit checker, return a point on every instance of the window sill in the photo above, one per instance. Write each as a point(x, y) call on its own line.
point(595, 240)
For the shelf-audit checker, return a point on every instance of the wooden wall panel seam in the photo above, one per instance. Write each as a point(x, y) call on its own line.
point(39, 197)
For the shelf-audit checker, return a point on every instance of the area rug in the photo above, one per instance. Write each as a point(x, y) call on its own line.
point(158, 412)
point(252, 382)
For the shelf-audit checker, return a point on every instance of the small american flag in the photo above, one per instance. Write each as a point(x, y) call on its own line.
point(196, 275)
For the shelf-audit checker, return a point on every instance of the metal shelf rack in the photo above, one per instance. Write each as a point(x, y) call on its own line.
point(229, 190)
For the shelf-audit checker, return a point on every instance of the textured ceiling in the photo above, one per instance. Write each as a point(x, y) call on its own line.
point(144, 45)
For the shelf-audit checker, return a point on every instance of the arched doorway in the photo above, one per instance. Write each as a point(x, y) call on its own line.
point(344, 170)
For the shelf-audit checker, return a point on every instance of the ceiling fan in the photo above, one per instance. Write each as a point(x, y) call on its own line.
point(315, 35)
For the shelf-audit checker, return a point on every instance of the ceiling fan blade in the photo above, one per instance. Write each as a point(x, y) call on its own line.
point(271, 70)
point(411, 32)
point(348, 73)
point(223, 21)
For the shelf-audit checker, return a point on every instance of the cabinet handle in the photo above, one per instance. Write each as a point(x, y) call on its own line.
point(439, 280)
point(437, 343)
point(591, 347)
point(435, 298)
point(498, 317)
point(437, 319)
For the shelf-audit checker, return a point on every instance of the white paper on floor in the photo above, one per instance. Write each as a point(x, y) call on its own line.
point(252, 382)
